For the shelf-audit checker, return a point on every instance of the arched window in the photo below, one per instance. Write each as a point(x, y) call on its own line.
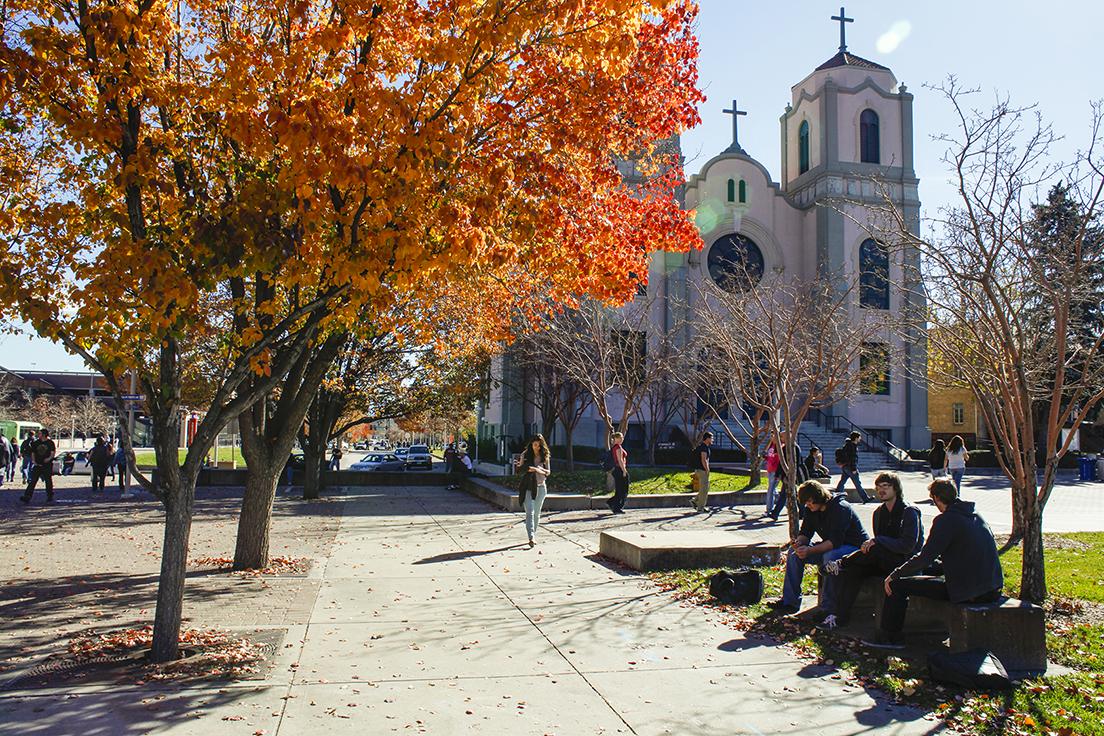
point(873, 275)
point(743, 191)
point(870, 151)
point(731, 190)
point(803, 147)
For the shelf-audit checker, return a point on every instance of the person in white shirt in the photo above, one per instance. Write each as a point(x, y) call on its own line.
point(956, 461)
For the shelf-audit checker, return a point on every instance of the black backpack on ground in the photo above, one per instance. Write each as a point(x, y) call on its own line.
point(743, 586)
point(975, 669)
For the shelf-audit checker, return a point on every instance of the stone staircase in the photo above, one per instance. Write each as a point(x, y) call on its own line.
point(827, 440)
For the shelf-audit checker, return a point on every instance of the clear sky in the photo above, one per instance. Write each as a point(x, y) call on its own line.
point(756, 51)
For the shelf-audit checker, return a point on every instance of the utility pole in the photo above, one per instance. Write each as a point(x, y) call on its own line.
point(130, 433)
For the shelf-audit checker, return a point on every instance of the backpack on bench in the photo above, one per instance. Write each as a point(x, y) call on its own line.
point(743, 586)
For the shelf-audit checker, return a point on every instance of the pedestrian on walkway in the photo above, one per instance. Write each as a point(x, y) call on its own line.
point(534, 466)
point(99, 458)
point(800, 477)
point(43, 452)
point(13, 443)
point(121, 465)
point(898, 535)
point(335, 457)
point(848, 459)
point(771, 457)
point(937, 459)
point(700, 459)
point(956, 461)
point(5, 458)
point(25, 456)
point(110, 457)
point(619, 468)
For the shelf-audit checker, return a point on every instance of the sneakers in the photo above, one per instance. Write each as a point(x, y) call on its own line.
point(833, 567)
point(783, 608)
point(829, 623)
point(885, 640)
point(532, 544)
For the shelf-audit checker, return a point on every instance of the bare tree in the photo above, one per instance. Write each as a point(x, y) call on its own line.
point(610, 353)
point(791, 347)
point(92, 416)
point(1004, 298)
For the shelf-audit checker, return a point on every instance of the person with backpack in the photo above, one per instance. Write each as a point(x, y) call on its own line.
point(937, 459)
point(847, 457)
point(99, 458)
point(42, 455)
point(616, 462)
point(700, 465)
point(25, 456)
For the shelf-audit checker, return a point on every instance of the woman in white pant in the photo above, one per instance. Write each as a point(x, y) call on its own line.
point(534, 467)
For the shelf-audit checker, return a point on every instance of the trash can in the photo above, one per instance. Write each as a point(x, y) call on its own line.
point(1088, 467)
point(1100, 468)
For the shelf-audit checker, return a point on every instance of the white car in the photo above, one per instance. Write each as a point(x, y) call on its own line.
point(419, 455)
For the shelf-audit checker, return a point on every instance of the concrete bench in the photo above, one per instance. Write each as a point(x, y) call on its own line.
point(651, 550)
point(1012, 629)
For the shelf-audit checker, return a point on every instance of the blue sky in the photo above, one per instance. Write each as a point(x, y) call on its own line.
point(756, 51)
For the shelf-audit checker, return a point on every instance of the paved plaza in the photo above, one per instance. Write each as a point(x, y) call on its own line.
point(424, 612)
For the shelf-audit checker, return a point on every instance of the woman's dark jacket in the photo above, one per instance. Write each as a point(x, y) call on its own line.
point(530, 481)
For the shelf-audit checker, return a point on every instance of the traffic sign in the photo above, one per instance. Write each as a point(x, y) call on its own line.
point(134, 397)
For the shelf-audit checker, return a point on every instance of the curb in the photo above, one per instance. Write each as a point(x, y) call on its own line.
point(508, 499)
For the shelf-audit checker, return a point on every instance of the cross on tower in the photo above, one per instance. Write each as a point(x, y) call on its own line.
point(735, 112)
point(843, 19)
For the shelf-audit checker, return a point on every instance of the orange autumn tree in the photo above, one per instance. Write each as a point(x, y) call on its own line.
point(171, 168)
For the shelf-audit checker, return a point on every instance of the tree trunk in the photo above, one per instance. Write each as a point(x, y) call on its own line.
point(1033, 578)
point(755, 467)
point(793, 522)
point(312, 471)
point(178, 492)
point(255, 522)
point(569, 433)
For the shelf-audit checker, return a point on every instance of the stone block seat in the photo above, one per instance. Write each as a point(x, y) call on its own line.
point(648, 551)
point(1012, 629)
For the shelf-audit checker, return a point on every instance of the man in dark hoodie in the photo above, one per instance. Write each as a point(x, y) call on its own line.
point(840, 531)
point(898, 535)
point(964, 543)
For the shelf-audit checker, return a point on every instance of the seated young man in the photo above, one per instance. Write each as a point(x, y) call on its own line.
point(971, 566)
point(898, 535)
point(841, 532)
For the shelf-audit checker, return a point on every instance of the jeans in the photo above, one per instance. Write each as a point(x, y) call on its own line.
point(46, 473)
point(533, 509)
point(895, 606)
point(858, 566)
point(795, 570)
point(853, 474)
point(620, 489)
point(956, 476)
point(779, 503)
point(703, 489)
point(772, 485)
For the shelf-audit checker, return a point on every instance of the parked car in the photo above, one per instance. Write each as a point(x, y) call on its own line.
point(379, 462)
point(401, 452)
point(419, 455)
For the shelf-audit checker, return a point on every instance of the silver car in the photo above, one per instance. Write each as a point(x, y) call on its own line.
point(381, 462)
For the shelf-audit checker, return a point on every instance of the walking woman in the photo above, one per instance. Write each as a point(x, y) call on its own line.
point(937, 459)
point(535, 467)
point(771, 456)
point(956, 461)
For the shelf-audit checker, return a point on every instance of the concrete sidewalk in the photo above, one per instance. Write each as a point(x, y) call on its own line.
point(433, 616)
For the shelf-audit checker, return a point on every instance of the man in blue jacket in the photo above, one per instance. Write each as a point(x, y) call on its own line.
point(898, 535)
point(964, 543)
point(841, 532)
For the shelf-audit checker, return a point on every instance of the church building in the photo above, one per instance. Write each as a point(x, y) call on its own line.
point(848, 124)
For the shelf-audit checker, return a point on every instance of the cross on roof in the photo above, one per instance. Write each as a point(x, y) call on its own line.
point(843, 19)
point(735, 112)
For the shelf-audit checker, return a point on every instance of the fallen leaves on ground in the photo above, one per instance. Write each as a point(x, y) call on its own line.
point(275, 566)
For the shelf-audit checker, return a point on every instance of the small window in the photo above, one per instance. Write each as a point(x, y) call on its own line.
point(874, 369)
point(869, 144)
point(873, 275)
point(958, 412)
point(732, 190)
point(743, 192)
point(803, 147)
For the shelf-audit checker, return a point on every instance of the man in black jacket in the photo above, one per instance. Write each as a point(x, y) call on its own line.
point(848, 459)
point(898, 535)
point(840, 531)
point(971, 565)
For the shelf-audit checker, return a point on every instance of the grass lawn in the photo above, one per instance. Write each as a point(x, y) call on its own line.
point(641, 480)
point(147, 459)
point(1065, 705)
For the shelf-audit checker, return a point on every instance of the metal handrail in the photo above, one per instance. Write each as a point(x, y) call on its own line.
point(873, 441)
